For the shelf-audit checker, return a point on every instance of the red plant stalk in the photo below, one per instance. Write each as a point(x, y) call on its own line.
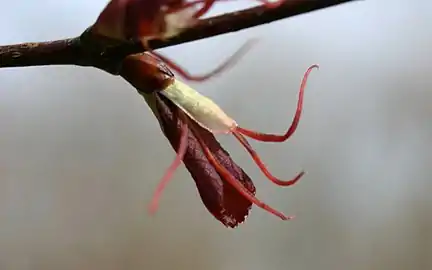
point(225, 189)
point(145, 20)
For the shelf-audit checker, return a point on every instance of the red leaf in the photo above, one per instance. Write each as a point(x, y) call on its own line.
point(220, 198)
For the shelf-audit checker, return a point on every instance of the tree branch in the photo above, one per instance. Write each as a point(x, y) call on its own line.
point(92, 50)
point(59, 52)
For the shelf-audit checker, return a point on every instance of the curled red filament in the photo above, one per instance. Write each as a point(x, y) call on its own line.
point(238, 131)
point(170, 171)
point(264, 137)
point(230, 61)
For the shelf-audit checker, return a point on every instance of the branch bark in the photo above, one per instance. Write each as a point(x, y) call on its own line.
point(59, 52)
point(91, 50)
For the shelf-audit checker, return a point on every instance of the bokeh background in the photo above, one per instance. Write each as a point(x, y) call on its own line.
point(81, 153)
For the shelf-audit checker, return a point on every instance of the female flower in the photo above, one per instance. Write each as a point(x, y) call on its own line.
point(189, 122)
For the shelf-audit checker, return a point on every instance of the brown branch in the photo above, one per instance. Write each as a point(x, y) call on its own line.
point(59, 52)
point(97, 51)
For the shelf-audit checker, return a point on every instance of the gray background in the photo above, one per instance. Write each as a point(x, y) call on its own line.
point(81, 153)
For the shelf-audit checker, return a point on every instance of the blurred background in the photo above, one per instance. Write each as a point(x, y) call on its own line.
point(82, 153)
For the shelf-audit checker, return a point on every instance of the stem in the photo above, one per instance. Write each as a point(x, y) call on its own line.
point(60, 52)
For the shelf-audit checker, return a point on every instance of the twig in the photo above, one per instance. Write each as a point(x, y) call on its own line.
point(59, 52)
point(91, 50)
